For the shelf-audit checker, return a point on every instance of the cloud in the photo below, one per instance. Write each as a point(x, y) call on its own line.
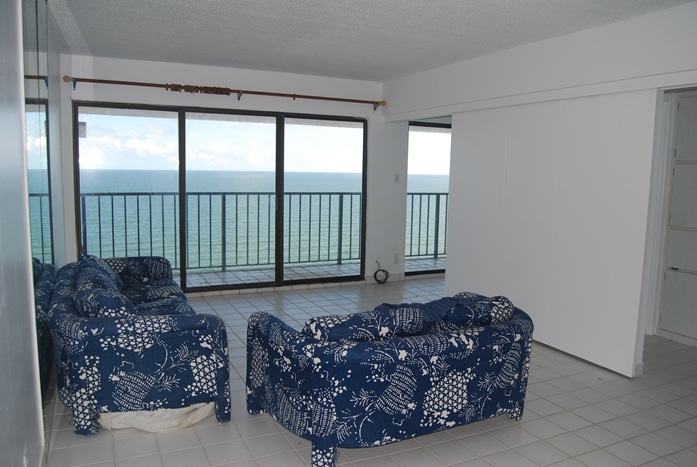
point(128, 143)
point(114, 142)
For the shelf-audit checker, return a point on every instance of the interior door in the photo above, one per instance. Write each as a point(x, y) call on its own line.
point(679, 293)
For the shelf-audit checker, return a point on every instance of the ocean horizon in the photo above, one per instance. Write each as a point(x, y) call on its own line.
point(159, 181)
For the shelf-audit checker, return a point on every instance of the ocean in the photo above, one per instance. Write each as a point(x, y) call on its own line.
point(230, 215)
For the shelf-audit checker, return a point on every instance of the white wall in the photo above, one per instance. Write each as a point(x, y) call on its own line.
point(645, 52)
point(386, 200)
point(552, 146)
point(552, 205)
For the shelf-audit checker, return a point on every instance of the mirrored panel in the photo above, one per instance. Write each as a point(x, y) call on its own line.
point(34, 24)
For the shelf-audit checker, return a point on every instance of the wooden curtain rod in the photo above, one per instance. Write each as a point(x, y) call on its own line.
point(219, 90)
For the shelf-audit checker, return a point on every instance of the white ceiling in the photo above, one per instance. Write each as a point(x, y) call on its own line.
point(375, 40)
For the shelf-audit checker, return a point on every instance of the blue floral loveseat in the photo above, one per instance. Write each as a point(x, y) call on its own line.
point(126, 341)
point(44, 282)
point(395, 372)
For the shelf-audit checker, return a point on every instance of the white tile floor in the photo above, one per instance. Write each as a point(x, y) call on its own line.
point(575, 413)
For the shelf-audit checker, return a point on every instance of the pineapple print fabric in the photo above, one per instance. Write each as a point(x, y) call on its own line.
point(349, 382)
point(160, 355)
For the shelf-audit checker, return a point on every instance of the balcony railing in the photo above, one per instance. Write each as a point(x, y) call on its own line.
point(427, 218)
point(231, 230)
point(40, 227)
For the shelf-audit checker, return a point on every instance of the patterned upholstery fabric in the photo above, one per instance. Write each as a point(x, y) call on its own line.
point(44, 282)
point(370, 392)
point(162, 356)
point(384, 322)
point(472, 309)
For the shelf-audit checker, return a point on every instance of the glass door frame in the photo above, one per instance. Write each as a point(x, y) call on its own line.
point(280, 274)
point(280, 117)
point(430, 269)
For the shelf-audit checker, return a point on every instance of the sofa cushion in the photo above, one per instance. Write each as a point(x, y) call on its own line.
point(98, 272)
point(475, 310)
point(384, 322)
point(142, 270)
point(98, 290)
point(165, 306)
point(98, 302)
point(146, 293)
point(387, 321)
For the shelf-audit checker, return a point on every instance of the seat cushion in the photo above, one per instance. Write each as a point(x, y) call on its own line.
point(98, 291)
point(475, 310)
point(98, 302)
point(146, 293)
point(165, 306)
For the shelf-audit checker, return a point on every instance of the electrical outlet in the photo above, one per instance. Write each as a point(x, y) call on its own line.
point(395, 259)
point(396, 177)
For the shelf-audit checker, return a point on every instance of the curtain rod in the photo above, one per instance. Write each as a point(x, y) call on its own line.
point(219, 90)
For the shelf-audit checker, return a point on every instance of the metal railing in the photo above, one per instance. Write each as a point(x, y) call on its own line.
point(40, 227)
point(427, 218)
point(224, 230)
point(230, 230)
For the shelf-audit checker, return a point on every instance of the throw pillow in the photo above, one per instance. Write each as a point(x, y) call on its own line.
point(91, 267)
point(477, 310)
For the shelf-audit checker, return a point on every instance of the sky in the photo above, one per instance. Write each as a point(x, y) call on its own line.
point(149, 142)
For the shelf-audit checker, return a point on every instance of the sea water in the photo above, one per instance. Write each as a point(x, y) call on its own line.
point(115, 225)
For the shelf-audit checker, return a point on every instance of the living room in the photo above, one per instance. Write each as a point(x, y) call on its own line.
point(553, 169)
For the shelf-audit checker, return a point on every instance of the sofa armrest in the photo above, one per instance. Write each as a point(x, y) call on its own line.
point(43, 290)
point(279, 366)
point(271, 340)
point(139, 363)
point(141, 269)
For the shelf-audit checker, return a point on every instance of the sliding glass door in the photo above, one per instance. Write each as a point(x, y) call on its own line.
point(230, 199)
point(323, 198)
point(128, 183)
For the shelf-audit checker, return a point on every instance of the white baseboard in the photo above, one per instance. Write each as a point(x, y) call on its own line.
point(677, 337)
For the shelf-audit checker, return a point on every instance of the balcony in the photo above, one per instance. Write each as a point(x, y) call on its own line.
point(230, 237)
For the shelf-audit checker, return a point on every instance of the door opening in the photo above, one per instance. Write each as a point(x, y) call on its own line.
point(677, 312)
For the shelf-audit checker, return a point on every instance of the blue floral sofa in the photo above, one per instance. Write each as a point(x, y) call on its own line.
point(126, 340)
point(44, 282)
point(395, 372)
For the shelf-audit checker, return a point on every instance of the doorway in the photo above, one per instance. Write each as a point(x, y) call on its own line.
point(677, 314)
point(428, 178)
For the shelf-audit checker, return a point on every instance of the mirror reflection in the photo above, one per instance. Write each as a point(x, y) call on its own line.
point(35, 46)
point(36, 94)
